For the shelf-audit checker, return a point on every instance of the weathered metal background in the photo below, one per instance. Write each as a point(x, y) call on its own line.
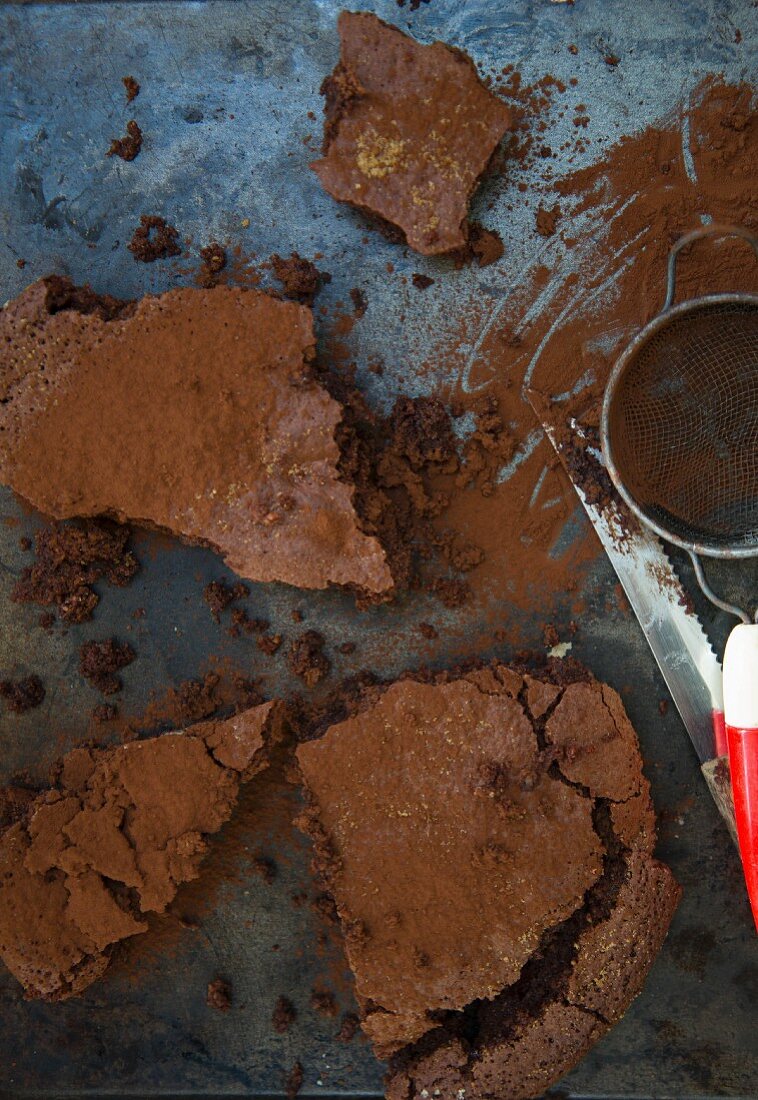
point(226, 88)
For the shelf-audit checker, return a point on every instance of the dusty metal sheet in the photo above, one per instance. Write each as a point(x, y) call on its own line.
point(226, 88)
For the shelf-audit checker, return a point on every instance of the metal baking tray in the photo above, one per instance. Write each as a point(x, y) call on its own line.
point(226, 87)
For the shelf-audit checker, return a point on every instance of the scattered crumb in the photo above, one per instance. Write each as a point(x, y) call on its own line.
point(611, 60)
point(348, 1028)
point(428, 630)
point(323, 906)
point(547, 220)
point(154, 239)
point(284, 1015)
point(69, 559)
point(213, 258)
point(297, 615)
point(127, 147)
point(663, 706)
point(550, 636)
point(131, 86)
point(484, 245)
point(20, 264)
point(22, 695)
point(307, 659)
point(100, 661)
point(218, 595)
point(300, 278)
point(269, 643)
point(324, 1002)
point(219, 995)
point(25, 542)
point(421, 282)
point(347, 648)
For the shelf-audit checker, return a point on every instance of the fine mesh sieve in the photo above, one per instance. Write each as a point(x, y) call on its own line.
point(679, 427)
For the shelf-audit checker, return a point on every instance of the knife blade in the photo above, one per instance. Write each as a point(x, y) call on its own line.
point(681, 647)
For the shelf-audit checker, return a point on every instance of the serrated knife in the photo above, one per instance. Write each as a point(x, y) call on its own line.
point(679, 644)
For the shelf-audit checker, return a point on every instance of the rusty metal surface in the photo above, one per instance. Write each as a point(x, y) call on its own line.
point(66, 208)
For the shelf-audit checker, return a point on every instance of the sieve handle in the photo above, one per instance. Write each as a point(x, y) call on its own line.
point(741, 716)
point(714, 230)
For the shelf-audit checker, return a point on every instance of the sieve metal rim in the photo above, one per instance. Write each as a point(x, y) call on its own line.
point(627, 357)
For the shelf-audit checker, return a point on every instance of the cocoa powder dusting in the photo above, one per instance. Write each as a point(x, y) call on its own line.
point(597, 288)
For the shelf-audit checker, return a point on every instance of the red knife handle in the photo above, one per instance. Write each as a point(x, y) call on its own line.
point(743, 766)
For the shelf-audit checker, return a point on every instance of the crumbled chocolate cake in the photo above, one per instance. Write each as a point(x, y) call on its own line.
point(219, 995)
point(213, 258)
point(284, 1015)
point(154, 239)
point(409, 131)
point(22, 695)
point(300, 278)
point(70, 559)
point(485, 246)
point(421, 282)
point(307, 659)
point(127, 147)
point(219, 595)
point(100, 661)
point(193, 700)
point(521, 801)
point(112, 841)
point(217, 432)
point(131, 87)
point(269, 643)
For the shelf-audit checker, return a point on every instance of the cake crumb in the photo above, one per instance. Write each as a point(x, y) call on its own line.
point(131, 86)
point(154, 239)
point(307, 659)
point(213, 258)
point(300, 278)
point(100, 661)
point(269, 643)
point(70, 558)
point(127, 147)
point(547, 220)
point(359, 300)
point(219, 995)
point(421, 282)
point(20, 696)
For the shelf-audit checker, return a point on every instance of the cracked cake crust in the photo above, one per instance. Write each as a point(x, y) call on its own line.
point(526, 795)
point(197, 412)
point(113, 840)
point(409, 131)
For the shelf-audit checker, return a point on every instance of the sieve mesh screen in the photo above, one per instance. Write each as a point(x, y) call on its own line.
point(683, 426)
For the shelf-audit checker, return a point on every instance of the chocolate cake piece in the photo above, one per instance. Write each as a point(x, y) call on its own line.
point(197, 412)
point(112, 841)
point(492, 871)
point(408, 133)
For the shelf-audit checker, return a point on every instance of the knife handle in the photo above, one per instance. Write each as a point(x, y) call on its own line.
point(741, 716)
